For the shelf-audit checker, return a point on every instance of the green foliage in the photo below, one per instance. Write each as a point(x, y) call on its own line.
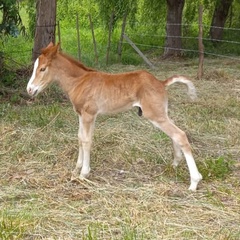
point(97, 231)
point(39, 116)
point(118, 8)
point(10, 18)
point(67, 11)
point(216, 168)
point(153, 12)
point(13, 226)
point(191, 8)
point(8, 79)
point(93, 231)
point(129, 58)
point(131, 233)
point(30, 6)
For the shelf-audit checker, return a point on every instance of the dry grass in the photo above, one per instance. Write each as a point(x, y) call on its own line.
point(132, 192)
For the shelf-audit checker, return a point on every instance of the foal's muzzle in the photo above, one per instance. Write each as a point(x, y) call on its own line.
point(32, 90)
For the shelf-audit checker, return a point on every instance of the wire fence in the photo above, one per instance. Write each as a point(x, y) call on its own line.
point(228, 47)
point(188, 50)
point(18, 53)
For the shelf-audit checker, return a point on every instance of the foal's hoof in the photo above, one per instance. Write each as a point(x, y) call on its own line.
point(74, 178)
point(194, 183)
point(77, 178)
point(84, 176)
point(84, 173)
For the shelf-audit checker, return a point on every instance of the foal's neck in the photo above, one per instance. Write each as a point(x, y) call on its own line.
point(69, 67)
point(69, 71)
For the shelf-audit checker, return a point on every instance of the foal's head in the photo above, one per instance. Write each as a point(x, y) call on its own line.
point(41, 76)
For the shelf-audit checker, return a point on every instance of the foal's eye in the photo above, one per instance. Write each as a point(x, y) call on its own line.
point(42, 69)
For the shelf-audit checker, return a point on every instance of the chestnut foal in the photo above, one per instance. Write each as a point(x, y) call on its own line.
point(93, 92)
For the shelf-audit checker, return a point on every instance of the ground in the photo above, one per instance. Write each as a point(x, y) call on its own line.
point(133, 192)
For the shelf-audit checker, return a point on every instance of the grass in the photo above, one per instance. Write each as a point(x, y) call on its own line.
point(133, 192)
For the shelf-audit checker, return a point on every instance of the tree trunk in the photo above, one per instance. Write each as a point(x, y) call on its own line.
point(219, 18)
point(173, 42)
point(45, 25)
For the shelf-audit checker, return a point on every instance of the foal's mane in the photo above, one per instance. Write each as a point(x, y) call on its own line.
point(76, 62)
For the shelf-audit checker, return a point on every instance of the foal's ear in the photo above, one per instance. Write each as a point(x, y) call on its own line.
point(47, 49)
point(50, 45)
point(54, 50)
point(51, 50)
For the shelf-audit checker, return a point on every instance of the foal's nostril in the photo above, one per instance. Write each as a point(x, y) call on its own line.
point(31, 91)
point(35, 92)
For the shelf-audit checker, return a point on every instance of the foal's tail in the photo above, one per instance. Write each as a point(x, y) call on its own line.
point(182, 79)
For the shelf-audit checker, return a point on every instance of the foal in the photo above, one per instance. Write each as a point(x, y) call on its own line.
point(92, 92)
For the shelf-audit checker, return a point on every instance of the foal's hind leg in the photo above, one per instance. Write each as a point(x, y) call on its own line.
point(177, 152)
point(180, 141)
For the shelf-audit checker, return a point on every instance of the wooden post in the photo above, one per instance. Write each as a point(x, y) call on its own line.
point(78, 38)
point(138, 51)
point(45, 25)
point(59, 34)
point(121, 37)
point(109, 37)
point(200, 44)
point(58, 30)
point(94, 40)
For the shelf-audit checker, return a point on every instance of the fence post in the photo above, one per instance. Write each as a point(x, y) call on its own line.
point(121, 37)
point(78, 38)
point(94, 40)
point(138, 51)
point(59, 33)
point(200, 43)
point(109, 37)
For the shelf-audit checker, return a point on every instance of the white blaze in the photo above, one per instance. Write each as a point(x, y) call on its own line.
point(30, 86)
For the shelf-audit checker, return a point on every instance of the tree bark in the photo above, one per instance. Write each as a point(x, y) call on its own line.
point(173, 42)
point(219, 18)
point(45, 25)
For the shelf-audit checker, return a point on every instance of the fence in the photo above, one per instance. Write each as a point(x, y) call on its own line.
point(94, 46)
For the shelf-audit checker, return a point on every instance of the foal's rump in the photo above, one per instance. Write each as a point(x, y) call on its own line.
point(153, 103)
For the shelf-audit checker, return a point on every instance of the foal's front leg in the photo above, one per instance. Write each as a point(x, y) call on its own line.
point(85, 132)
point(76, 171)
